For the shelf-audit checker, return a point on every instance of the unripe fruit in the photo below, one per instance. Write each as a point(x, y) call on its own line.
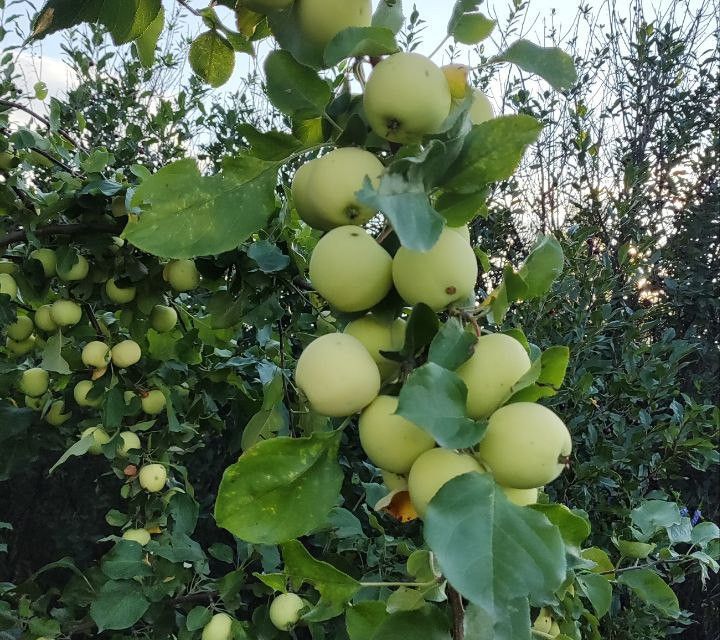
point(325, 188)
point(350, 270)
point(80, 393)
point(285, 611)
point(34, 382)
point(481, 109)
point(406, 97)
point(182, 275)
point(497, 363)
point(125, 354)
point(119, 295)
point(96, 354)
point(99, 438)
point(130, 441)
point(141, 536)
point(554, 630)
point(78, 271)
point(432, 470)
point(152, 477)
point(153, 403)
point(525, 446)
point(48, 259)
point(379, 335)
point(65, 313)
point(438, 277)
point(338, 375)
point(390, 441)
point(21, 329)
point(321, 20)
point(543, 623)
point(266, 6)
point(43, 319)
point(36, 404)
point(457, 79)
point(55, 415)
point(393, 481)
point(163, 319)
point(521, 497)
point(464, 231)
point(20, 348)
point(219, 628)
point(8, 286)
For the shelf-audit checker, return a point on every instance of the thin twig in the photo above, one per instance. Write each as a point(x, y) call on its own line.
point(458, 613)
point(43, 119)
point(93, 320)
point(189, 8)
point(54, 160)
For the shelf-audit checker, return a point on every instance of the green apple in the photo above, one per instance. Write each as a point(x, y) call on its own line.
point(265, 6)
point(56, 414)
point(21, 329)
point(406, 97)
point(554, 630)
point(497, 363)
point(219, 628)
point(65, 313)
point(34, 382)
point(96, 354)
point(153, 403)
point(521, 497)
point(432, 470)
point(80, 393)
point(481, 109)
point(152, 477)
point(321, 20)
point(338, 375)
point(130, 440)
point(8, 286)
point(285, 611)
point(182, 275)
point(393, 481)
point(525, 446)
point(325, 191)
point(36, 404)
point(119, 295)
point(99, 438)
point(20, 348)
point(163, 319)
point(350, 270)
point(47, 258)
point(43, 319)
point(464, 231)
point(439, 277)
point(141, 536)
point(125, 354)
point(390, 441)
point(78, 271)
point(378, 335)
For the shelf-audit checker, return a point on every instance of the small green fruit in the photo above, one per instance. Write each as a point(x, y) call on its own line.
point(321, 20)
point(481, 109)
point(141, 536)
point(96, 354)
point(99, 438)
point(36, 404)
point(153, 403)
point(219, 628)
point(78, 271)
point(47, 258)
point(65, 313)
point(34, 382)
point(119, 295)
point(21, 329)
point(130, 441)
point(152, 477)
point(55, 415)
point(43, 319)
point(8, 286)
point(80, 393)
point(163, 319)
point(125, 354)
point(182, 275)
point(378, 335)
point(20, 348)
point(285, 611)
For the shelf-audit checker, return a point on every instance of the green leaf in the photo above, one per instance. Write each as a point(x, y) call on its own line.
point(118, 605)
point(268, 145)
point(188, 215)
point(460, 208)
point(704, 533)
point(492, 151)
point(544, 378)
point(490, 550)
point(147, 42)
point(598, 590)
point(296, 90)
point(428, 623)
point(452, 345)
point(363, 619)
point(632, 549)
point(421, 328)
point(550, 63)
point(79, 448)
point(542, 266)
point(198, 618)
point(263, 425)
point(212, 58)
point(280, 489)
point(407, 205)
point(125, 560)
point(389, 14)
point(512, 623)
point(653, 516)
point(651, 589)
point(335, 587)
point(573, 528)
point(472, 28)
point(359, 41)
point(268, 256)
point(52, 356)
point(286, 29)
point(435, 399)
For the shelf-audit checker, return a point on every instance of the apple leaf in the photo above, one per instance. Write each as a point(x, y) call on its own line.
point(267, 256)
point(574, 528)
point(598, 590)
point(119, 604)
point(460, 208)
point(472, 28)
point(652, 589)
point(147, 42)
point(550, 63)
point(428, 623)
point(363, 619)
point(125, 560)
point(544, 378)
point(286, 30)
point(298, 476)
point(295, 89)
point(389, 14)
point(435, 399)
point(492, 551)
point(336, 588)
point(212, 58)
point(268, 145)
point(422, 325)
point(452, 345)
point(653, 516)
point(186, 214)
point(512, 624)
point(542, 266)
point(52, 356)
point(359, 41)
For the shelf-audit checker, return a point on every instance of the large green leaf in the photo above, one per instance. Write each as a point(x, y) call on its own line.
point(118, 605)
point(653, 516)
point(598, 590)
point(360, 41)
point(335, 587)
point(544, 378)
point(542, 266)
point(490, 550)
point(452, 345)
point(212, 58)
point(147, 42)
point(492, 151)
point(428, 623)
point(125, 560)
point(364, 618)
point(472, 28)
point(435, 399)
point(652, 589)
point(188, 215)
point(422, 326)
point(389, 14)
point(52, 356)
point(513, 624)
point(550, 63)
point(296, 90)
point(280, 489)
point(573, 528)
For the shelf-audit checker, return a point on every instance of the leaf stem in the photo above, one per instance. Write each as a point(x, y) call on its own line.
point(399, 584)
point(440, 46)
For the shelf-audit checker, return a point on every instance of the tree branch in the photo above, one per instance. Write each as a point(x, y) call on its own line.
point(59, 230)
point(458, 613)
point(43, 119)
